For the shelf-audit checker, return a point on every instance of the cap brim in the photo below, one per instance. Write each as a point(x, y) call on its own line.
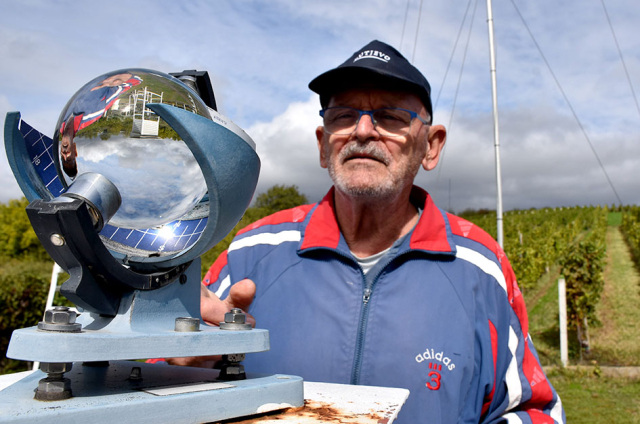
point(349, 77)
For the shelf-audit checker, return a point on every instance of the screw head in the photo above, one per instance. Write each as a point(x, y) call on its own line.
point(57, 240)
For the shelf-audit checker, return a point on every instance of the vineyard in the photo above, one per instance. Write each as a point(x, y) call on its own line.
point(545, 244)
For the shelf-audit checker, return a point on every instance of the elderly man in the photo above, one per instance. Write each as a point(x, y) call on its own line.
point(375, 284)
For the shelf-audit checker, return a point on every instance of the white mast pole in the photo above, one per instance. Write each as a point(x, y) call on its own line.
point(496, 137)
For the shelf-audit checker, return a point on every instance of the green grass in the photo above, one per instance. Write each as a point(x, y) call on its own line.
point(614, 219)
point(617, 341)
point(588, 398)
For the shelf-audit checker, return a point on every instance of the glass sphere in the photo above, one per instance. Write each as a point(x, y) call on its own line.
point(107, 128)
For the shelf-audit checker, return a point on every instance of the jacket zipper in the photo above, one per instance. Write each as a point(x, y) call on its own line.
point(364, 318)
point(364, 313)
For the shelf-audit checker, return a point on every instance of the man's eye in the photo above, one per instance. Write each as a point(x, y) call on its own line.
point(391, 116)
point(345, 115)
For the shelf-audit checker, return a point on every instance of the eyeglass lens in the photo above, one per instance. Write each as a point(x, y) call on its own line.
point(343, 120)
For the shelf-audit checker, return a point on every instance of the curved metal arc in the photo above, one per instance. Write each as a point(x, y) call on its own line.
point(20, 162)
point(230, 167)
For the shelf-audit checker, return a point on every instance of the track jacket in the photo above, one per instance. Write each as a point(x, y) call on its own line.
point(440, 315)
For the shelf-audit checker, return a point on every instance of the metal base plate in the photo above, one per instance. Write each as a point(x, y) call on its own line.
point(164, 394)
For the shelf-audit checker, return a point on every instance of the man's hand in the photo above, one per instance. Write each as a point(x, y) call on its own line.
point(213, 309)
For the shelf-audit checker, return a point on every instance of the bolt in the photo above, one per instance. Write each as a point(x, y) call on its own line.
point(136, 373)
point(57, 240)
point(185, 324)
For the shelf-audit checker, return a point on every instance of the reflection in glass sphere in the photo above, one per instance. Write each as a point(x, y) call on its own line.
point(107, 128)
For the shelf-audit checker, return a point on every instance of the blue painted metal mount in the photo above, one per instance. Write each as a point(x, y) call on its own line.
point(143, 328)
point(144, 324)
point(164, 394)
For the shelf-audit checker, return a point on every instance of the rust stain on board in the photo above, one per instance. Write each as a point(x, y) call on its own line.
point(311, 413)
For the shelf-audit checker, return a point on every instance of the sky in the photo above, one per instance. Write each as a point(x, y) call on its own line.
point(261, 55)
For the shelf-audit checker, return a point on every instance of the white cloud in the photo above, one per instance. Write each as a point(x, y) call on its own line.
point(288, 150)
point(261, 57)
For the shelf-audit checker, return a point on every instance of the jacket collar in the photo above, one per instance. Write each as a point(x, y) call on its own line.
point(432, 233)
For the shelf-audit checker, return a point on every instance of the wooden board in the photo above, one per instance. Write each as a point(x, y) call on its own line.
point(337, 403)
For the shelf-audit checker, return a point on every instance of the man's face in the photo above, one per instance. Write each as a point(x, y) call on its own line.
point(366, 164)
point(67, 147)
point(68, 151)
point(112, 81)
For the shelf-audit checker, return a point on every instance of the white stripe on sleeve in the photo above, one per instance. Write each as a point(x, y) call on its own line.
point(514, 385)
point(482, 262)
point(223, 285)
point(265, 238)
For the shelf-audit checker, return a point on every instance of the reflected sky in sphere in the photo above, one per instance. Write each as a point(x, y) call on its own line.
point(107, 128)
point(159, 179)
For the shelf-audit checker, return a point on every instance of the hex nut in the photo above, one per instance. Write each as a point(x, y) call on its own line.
point(50, 389)
point(235, 320)
point(59, 315)
point(60, 319)
point(235, 369)
point(55, 367)
point(235, 316)
point(49, 385)
point(232, 372)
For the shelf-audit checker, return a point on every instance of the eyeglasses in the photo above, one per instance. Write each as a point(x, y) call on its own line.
point(389, 121)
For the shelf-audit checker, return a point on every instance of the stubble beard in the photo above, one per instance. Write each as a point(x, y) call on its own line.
point(371, 188)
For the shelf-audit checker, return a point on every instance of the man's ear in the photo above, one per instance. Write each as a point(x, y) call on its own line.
point(320, 138)
point(436, 138)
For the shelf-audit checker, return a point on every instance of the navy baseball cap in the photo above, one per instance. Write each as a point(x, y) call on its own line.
point(376, 64)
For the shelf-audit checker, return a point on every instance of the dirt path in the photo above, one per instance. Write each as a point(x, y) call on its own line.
point(617, 342)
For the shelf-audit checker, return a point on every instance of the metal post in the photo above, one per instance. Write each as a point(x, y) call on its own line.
point(494, 97)
point(562, 304)
point(54, 285)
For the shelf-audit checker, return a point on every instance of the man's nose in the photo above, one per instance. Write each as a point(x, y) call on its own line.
point(365, 128)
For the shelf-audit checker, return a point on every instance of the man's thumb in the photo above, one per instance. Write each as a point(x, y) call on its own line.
point(241, 294)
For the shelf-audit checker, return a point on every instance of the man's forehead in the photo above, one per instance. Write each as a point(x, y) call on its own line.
point(374, 97)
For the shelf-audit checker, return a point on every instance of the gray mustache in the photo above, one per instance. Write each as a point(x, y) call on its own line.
point(369, 149)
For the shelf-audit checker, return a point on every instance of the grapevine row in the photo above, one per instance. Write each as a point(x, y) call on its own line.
point(630, 228)
point(537, 239)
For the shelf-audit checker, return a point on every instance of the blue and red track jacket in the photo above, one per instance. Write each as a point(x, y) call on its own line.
point(441, 315)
